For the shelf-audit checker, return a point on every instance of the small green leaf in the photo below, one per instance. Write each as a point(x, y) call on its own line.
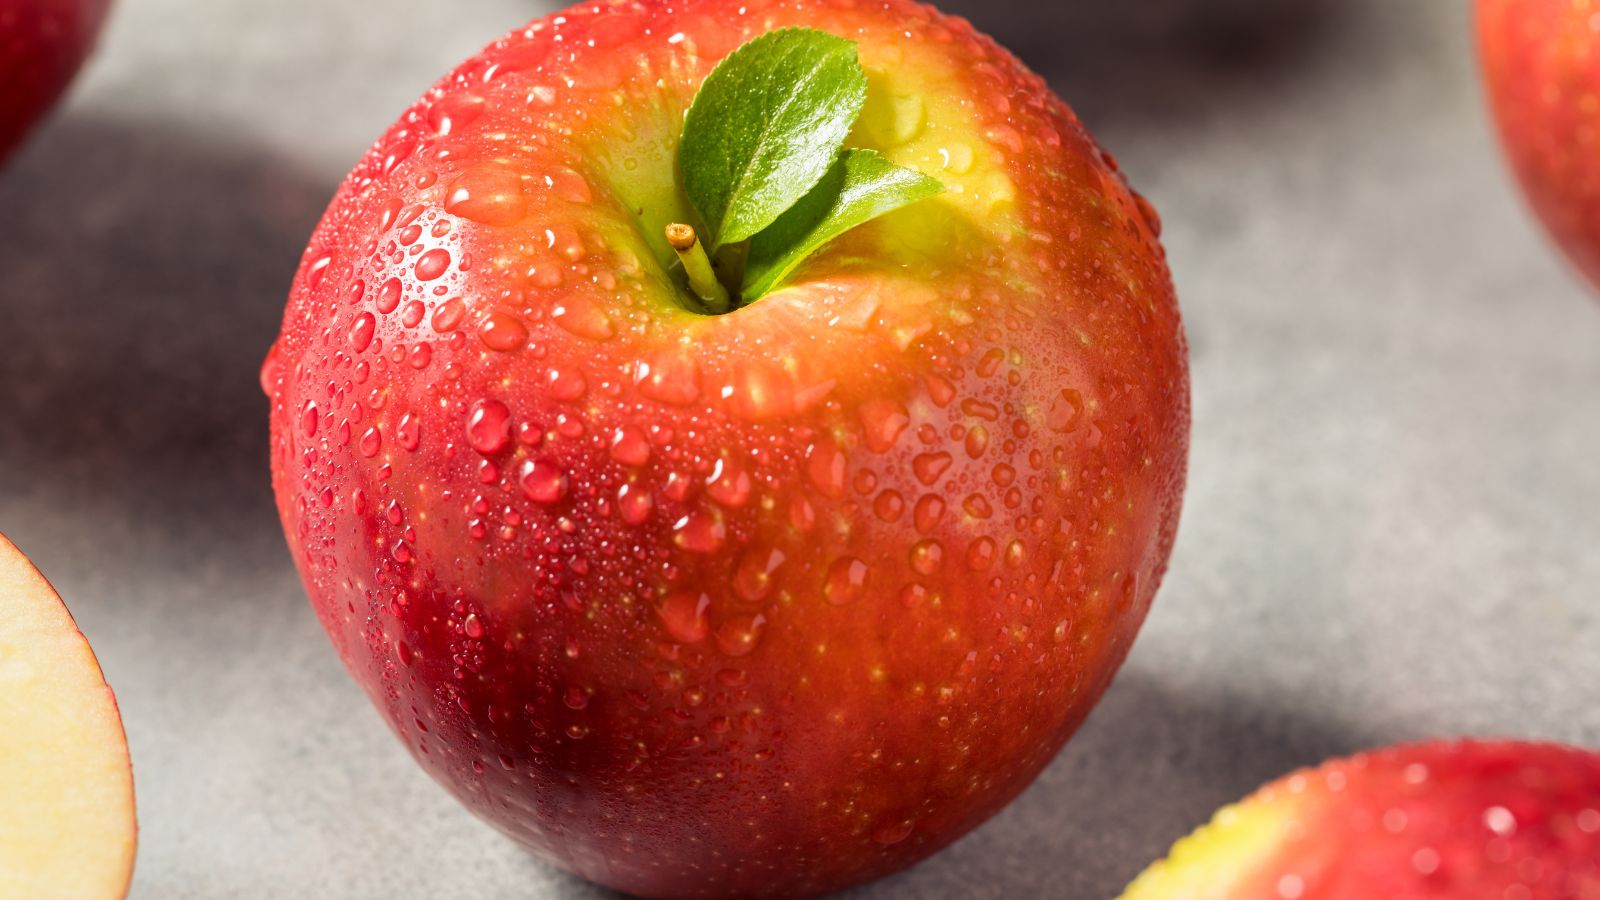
point(860, 187)
point(765, 126)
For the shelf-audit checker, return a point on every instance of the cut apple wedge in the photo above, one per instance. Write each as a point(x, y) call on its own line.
point(67, 826)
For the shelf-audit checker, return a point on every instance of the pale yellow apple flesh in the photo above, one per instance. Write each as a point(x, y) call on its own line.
point(67, 825)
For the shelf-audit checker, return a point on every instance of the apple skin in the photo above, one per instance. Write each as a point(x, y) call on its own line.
point(1539, 60)
point(42, 45)
point(1444, 820)
point(761, 604)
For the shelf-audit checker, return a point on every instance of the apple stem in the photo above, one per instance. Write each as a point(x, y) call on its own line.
point(702, 280)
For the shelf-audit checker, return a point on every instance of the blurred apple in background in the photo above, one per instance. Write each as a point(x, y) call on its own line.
point(42, 44)
point(66, 789)
point(1437, 821)
point(1541, 65)
point(758, 603)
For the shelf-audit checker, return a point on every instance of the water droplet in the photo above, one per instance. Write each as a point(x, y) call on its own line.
point(412, 314)
point(930, 508)
point(888, 506)
point(629, 446)
point(361, 331)
point(577, 698)
point(1065, 412)
point(1152, 219)
point(308, 419)
point(740, 634)
point(582, 318)
point(671, 378)
point(846, 582)
point(371, 441)
point(634, 504)
point(503, 333)
point(271, 370)
point(913, 595)
point(927, 557)
point(683, 614)
point(543, 481)
point(389, 296)
point(929, 466)
point(980, 554)
point(699, 532)
point(453, 112)
point(977, 506)
point(568, 185)
point(752, 577)
point(408, 432)
point(448, 315)
point(472, 627)
point(977, 441)
point(826, 465)
point(491, 195)
point(883, 421)
point(489, 427)
point(567, 385)
point(893, 832)
point(432, 264)
point(420, 356)
point(728, 484)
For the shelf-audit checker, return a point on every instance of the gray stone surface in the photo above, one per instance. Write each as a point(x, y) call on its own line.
point(1391, 529)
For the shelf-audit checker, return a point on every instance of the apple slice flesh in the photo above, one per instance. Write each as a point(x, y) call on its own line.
point(67, 826)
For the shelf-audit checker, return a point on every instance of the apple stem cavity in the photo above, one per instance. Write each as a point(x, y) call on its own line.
point(762, 161)
point(697, 265)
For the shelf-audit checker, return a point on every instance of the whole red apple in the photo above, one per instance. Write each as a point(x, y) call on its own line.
point(1437, 821)
point(1541, 64)
point(758, 603)
point(42, 44)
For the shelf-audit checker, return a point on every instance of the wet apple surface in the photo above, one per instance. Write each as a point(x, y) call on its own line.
point(768, 602)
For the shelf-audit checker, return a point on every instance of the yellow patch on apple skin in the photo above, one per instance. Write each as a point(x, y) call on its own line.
point(1220, 859)
point(66, 790)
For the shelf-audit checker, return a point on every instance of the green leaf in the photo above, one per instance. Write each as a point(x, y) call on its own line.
point(860, 187)
point(765, 126)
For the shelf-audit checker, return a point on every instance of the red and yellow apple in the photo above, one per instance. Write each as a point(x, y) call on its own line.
point(42, 44)
point(67, 824)
point(1437, 821)
point(761, 603)
point(1541, 66)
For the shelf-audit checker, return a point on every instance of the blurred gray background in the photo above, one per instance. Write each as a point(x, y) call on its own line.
point(1391, 529)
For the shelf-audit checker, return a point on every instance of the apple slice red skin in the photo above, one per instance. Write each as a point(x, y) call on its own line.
point(762, 604)
point(43, 43)
point(1542, 80)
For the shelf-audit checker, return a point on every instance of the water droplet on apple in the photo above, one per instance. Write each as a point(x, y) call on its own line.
point(929, 466)
point(412, 314)
point(389, 296)
point(308, 419)
point(566, 385)
point(683, 614)
point(543, 481)
point(568, 185)
point(503, 333)
point(634, 504)
point(980, 554)
point(701, 531)
point(629, 446)
point(408, 432)
point(489, 427)
point(739, 635)
point(927, 556)
point(846, 581)
point(448, 315)
point(913, 595)
point(728, 484)
point(883, 421)
point(371, 442)
point(490, 195)
point(453, 112)
point(889, 505)
point(432, 264)
point(930, 508)
point(753, 576)
point(472, 626)
point(361, 331)
point(893, 832)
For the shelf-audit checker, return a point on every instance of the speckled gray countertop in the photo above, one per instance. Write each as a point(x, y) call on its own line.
point(1391, 528)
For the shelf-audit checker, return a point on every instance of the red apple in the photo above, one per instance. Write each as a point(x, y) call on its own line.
point(66, 790)
point(42, 44)
point(1541, 64)
point(1437, 821)
point(763, 603)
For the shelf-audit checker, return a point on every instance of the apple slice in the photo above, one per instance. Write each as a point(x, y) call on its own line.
point(67, 826)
